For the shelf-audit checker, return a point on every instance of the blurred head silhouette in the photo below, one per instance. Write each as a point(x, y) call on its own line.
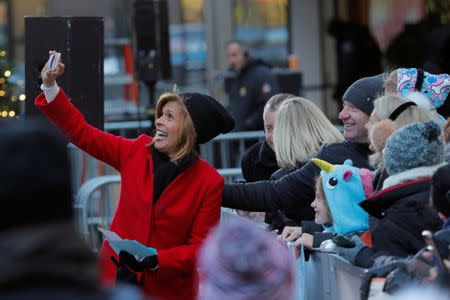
point(242, 261)
point(35, 184)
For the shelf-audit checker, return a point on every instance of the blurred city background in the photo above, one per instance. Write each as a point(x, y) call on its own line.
point(331, 42)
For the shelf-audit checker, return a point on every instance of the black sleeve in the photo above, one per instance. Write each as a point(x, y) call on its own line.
point(294, 191)
point(248, 164)
point(365, 257)
point(311, 227)
point(319, 237)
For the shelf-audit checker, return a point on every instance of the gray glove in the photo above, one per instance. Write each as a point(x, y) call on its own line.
point(350, 248)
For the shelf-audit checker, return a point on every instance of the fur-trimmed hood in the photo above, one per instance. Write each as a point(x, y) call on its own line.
point(412, 174)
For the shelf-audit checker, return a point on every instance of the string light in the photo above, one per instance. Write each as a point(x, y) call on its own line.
point(7, 73)
point(22, 97)
point(12, 114)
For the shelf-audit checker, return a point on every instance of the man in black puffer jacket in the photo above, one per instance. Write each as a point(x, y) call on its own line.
point(295, 191)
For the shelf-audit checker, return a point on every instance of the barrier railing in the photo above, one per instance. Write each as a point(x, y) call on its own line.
point(323, 276)
point(327, 276)
point(223, 152)
point(96, 201)
point(226, 150)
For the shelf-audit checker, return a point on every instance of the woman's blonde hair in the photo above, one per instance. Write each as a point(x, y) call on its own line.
point(320, 192)
point(385, 105)
point(383, 108)
point(275, 101)
point(300, 129)
point(390, 82)
point(187, 135)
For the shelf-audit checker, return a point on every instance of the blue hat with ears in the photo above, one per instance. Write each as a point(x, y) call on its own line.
point(345, 187)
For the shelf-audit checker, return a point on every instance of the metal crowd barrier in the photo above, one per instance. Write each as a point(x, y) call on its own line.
point(96, 201)
point(323, 277)
point(222, 152)
point(125, 127)
point(226, 150)
point(327, 276)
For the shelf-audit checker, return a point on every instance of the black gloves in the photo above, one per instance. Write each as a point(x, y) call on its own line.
point(128, 265)
point(382, 271)
point(149, 263)
point(124, 274)
point(348, 247)
point(398, 274)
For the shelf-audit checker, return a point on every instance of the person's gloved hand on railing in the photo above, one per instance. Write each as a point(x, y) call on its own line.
point(398, 273)
point(348, 246)
point(381, 271)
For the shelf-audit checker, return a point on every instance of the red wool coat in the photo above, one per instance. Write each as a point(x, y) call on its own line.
point(175, 225)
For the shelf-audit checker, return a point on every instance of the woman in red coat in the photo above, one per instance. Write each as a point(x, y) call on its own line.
point(169, 199)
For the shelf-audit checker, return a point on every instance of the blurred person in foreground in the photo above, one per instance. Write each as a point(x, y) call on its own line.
point(170, 198)
point(42, 254)
point(240, 261)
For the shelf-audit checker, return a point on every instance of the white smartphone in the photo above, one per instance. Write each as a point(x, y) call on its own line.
point(53, 61)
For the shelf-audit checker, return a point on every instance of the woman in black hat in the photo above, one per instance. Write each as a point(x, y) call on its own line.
point(170, 198)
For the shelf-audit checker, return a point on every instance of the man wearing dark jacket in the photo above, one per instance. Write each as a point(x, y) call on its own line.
point(296, 190)
point(251, 85)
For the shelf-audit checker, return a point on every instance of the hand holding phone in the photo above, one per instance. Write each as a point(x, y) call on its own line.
point(53, 61)
point(53, 68)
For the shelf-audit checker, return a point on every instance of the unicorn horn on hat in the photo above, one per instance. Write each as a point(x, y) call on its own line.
point(326, 166)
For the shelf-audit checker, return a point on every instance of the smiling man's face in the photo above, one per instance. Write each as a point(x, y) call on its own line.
point(354, 121)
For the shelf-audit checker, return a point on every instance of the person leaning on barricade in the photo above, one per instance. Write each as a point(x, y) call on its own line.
point(259, 161)
point(42, 254)
point(412, 154)
point(170, 198)
point(339, 190)
point(301, 129)
point(295, 191)
point(390, 113)
point(422, 269)
point(240, 261)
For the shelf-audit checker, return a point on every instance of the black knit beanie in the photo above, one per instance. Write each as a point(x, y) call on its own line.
point(35, 185)
point(364, 91)
point(210, 118)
